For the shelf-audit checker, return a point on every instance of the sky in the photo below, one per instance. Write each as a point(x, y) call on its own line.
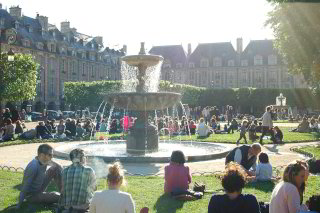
point(162, 22)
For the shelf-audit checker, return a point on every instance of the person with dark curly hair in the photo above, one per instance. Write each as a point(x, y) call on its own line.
point(233, 181)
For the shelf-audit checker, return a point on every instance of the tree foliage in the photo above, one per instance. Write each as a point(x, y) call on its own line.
point(19, 78)
point(296, 28)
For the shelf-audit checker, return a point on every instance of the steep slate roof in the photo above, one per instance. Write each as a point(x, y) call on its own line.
point(224, 50)
point(260, 47)
point(174, 53)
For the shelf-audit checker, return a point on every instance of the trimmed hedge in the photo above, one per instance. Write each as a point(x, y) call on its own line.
point(90, 94)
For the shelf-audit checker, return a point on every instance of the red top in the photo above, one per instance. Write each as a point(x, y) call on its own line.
point(176, 176)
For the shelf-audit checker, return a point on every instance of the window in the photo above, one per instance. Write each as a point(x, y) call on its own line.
point(166, 65)
point(191, 65)
point(217, 62)
point(258, 77)
point(244, 63)
point(258, 60)
point(83, 69)
point(272, 60)
point(204, 62)
point(2, 22)
point(52, 48)
point(230, 63)
point(40, 46)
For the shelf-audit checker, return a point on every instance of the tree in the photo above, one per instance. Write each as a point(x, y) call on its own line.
point(296, 27)
point(19, 78)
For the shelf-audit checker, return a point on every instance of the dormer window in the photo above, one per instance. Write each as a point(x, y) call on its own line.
point(54, 34)
point(16, 24)
point(166, 64)
point(179, 65)
point(272, 60)
point(63, 50)
point(258, 60)
point(191, 65)
point(64, 38)
point(230, 63)
point(217, 62)
point(83, 55)
point(204, 62)
point(52, 48)
point(244, 63)
point(73, 53)
point(92, 45)
point(40, 46)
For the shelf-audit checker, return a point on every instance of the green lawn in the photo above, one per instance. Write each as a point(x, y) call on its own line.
point(146, 191)
point(288, 137)
point(315, 150)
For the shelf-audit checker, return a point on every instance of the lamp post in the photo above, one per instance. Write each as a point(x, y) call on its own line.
point(11, 37)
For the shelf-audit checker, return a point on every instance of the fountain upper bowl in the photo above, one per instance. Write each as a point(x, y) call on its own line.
point(147, 60)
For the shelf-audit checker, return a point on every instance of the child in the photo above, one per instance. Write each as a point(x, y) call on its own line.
point(314, 204)
point(243, 131)
point(278, 136)
point(264, 168)
point(176, 174)
point(252, 131)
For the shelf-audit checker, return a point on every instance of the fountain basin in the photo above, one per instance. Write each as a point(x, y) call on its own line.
point(115, 150)
point(147, 60)
point(143, 101)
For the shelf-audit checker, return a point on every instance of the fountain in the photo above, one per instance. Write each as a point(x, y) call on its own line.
point(142, 144)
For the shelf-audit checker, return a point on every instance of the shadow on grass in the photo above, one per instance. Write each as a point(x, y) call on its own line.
point(265, 186)
point(17, 187)
point(166, 203)
point(28, 208)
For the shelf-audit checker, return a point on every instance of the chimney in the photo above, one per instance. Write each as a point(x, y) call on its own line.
point(189, 49)
point(239, 45)
point(99, 40)
point(65, 27)
point(15, 11)
point(0, 6)
point(43, 20)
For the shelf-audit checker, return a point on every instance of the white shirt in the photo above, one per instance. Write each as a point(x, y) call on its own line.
point(203, 130)
point(112, 201)
point(238, 158)
point(285, 198)
point(264, 171)
point(267, 120)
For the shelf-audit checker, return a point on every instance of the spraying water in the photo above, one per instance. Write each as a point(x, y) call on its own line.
point(95, 118)
point(185, 114)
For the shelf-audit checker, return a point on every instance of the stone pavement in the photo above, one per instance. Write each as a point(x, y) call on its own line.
point(20, 155)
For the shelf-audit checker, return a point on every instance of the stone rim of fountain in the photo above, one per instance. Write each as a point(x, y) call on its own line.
point(144, 159)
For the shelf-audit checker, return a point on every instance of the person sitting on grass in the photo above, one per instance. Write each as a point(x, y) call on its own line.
point(176, 175)
point(78, 184)
point(61, 129)
point(243, 130)
point(80, 131)
point(8, 131)
point(264, 168)
point(278, 137)
point(303, 127)
point(113, 200)
point(313, 204)
point(314, 125)
point(19, 127)
point(233, 201)
point(246, 156)
point(287, 196)
point(42, 131)
point(203, 130)
point(37, 177)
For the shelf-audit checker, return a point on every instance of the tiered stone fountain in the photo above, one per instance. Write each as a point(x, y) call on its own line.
point(143, 136)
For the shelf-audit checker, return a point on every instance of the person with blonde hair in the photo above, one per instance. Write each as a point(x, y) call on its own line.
point(233, 181)
point(287, 196)
point(113, 200)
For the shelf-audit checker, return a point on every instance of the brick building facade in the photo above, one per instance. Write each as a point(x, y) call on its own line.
point(63, 55)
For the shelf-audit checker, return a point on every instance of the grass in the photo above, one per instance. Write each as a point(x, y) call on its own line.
point(146, 191)
point(289, 137)
point(315, 150)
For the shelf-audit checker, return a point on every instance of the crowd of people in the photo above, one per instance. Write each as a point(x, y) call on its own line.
point(77, 187)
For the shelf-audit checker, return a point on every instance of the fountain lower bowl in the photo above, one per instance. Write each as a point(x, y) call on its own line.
point(116, 150)
point(143, 101)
